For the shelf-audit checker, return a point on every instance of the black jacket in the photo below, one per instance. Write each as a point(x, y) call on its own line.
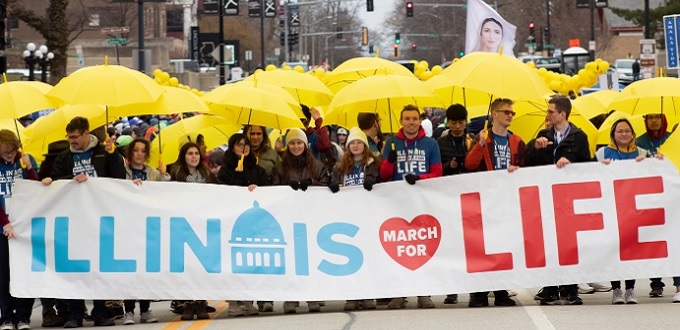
point(251, 174)
point(450, 147)
point(574, 147)
point(105, 164)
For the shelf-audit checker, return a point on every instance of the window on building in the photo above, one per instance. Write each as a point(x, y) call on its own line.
point(174, 19)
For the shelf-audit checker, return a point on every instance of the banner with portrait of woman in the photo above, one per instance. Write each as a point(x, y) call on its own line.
point(487, 31)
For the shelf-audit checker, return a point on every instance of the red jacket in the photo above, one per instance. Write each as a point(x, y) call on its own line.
point(473, 161)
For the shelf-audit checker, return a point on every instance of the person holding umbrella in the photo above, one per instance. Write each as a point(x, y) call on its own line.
point(14, 312)
point(260, 147)
point(410, 155)
point(240, 168)
point(85, 158)
point(500, 150)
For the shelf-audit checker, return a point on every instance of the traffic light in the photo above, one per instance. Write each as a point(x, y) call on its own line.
point(370, 49)
point(532, 32)
point(397, 38)
point(364, 36)
point(396, 50)
point(409, 9)
point(282, 39)
point(369, 5)
point(338, 33)
point(461, 53)
point(414, 46)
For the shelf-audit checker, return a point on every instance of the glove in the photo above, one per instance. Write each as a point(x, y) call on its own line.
point(295, 185)
point(304, 184)
point(368, 185)
point(411, 178)
point(392, 156)
point(334, 187)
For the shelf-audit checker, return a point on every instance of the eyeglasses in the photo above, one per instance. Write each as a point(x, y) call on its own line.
point(507, 112)
point(242, 145)
point(72, 137)
point(8, 153)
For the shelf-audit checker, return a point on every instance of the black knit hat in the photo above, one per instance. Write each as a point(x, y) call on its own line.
point(456, 112)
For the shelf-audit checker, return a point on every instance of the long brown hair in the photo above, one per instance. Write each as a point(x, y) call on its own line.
point(287, 162)
point(181, 169)
point(346, 163)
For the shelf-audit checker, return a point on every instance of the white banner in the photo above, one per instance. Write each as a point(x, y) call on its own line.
point(487, 31)
point(496, 230)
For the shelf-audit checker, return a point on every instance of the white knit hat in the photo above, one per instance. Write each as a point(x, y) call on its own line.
point(355, 133)
point(296, 134)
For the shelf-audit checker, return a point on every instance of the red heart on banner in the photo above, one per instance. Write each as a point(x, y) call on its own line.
point(411, 244)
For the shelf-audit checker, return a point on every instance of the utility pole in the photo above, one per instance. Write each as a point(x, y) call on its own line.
point(221, 43)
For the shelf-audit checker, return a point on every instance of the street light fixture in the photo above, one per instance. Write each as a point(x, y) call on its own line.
point(40, 56)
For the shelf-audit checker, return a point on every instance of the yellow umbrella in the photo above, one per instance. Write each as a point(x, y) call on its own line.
point(361, 67)
point(637, 121)
point(174, 100)
point(215, 130)
point(671, 148)
point(499, 75)
point(14, 125)
point(218, 94)
point(20, 98)
point(304, 88)
point(249, 105)
point(52, 127)
point(655, 95)
point(385, 95)
point(113, 86)
point(476, 102)
point(593, 104)
point(528, 125)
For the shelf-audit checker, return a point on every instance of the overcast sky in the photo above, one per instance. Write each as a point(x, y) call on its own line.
point(374, 19)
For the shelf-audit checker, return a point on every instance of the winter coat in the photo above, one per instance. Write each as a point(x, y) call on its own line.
point(573, 147)
point(368, 173)
point(299, 173)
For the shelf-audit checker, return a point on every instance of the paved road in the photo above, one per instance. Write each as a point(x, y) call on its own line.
point(596, 313)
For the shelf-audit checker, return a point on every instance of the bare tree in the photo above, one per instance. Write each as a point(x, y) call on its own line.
point(55, 26)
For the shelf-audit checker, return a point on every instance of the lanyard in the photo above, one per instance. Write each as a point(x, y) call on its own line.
point(557, 143)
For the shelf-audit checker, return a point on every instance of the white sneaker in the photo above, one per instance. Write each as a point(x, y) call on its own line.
point(584, 288)
point(676, 297)
point(129, 318)
point(7, 326)
point(23, 325)
point(600, 287)
point(617, 297)
point(147, 317)
point(630, 297)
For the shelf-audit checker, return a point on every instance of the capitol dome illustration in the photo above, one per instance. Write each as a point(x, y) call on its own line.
point(257, 243)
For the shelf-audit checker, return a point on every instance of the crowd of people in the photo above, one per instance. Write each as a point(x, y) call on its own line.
point(429, 144)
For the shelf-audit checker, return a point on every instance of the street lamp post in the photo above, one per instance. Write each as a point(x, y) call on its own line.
point(39, 56)
point(44, 62)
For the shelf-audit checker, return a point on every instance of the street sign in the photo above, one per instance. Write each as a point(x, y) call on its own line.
point(253, 8)
point(269, 8)
point(117, 41)
point(118, 29)
point(670, 27)
point(230, 7)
